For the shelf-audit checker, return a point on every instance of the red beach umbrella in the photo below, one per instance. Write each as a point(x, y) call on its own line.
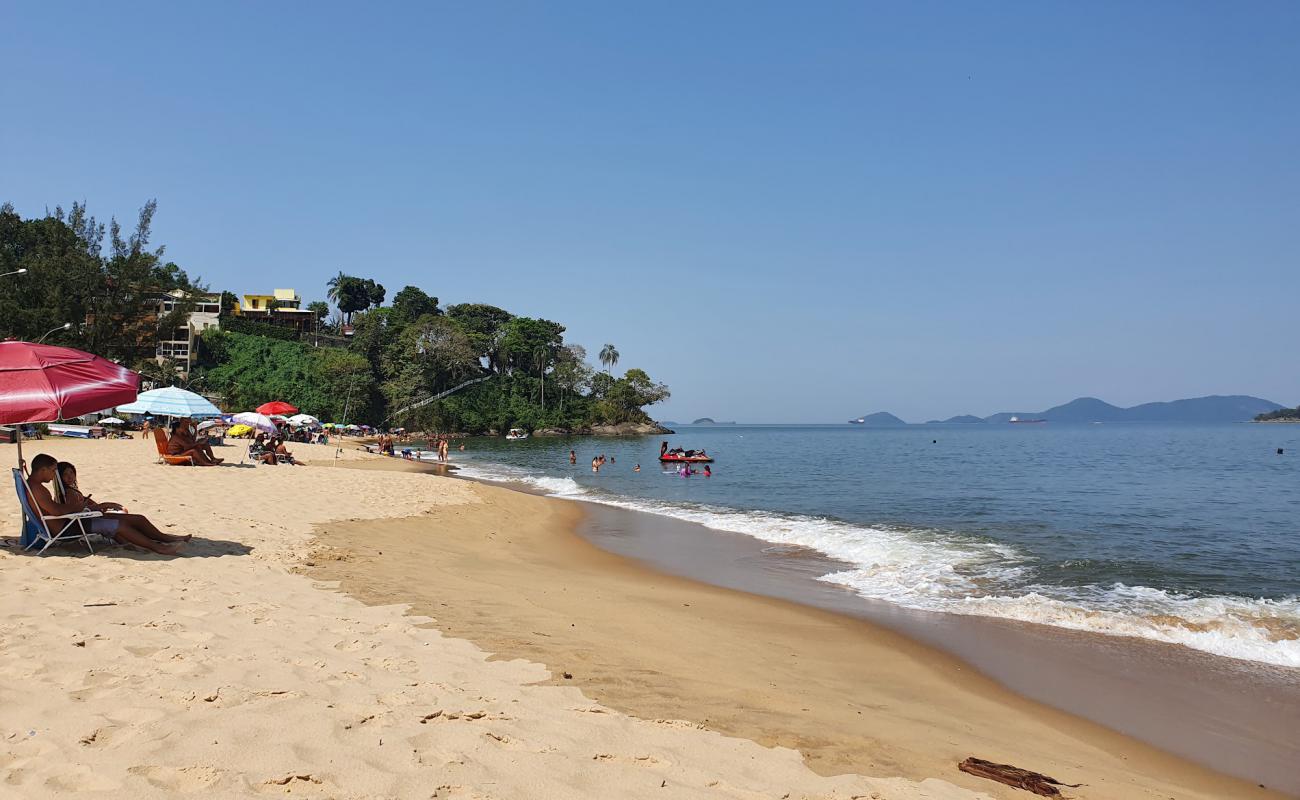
point(44, 383)
point(276, 407)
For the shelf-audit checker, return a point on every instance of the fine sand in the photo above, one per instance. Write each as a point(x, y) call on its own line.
point(509, 574)
point(223, 673)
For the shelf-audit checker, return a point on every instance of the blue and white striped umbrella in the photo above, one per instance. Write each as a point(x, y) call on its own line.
point(170, 402)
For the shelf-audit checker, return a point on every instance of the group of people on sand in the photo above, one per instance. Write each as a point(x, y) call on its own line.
point(271, 450)
point(441, 446)
point(116, 524)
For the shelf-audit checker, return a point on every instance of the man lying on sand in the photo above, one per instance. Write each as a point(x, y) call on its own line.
point(123, 528)
point(183, 442)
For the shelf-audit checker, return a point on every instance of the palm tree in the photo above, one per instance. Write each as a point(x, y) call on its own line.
point(334, 284)
point(608, 357)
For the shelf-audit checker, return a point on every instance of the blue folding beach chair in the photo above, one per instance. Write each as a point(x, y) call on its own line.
point(36, 526)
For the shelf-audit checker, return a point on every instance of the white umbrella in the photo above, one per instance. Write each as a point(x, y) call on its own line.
point(171, 401)
point(255, 420)
point(112, 421)
point(208, 424)
point(299, 420)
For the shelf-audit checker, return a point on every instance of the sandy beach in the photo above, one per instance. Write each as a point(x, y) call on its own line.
point(383, 632)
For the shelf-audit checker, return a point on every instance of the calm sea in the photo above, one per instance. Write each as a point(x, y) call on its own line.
point(1181, 533)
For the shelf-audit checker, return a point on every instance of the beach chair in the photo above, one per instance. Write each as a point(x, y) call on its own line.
point(36, 526)
point(160, 439)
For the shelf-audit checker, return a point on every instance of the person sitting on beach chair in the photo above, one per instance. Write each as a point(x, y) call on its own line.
point(282, 453)
point(124, 528)
point(183, 442)
point(130, 526)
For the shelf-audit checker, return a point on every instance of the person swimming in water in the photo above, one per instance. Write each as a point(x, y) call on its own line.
point(708, 473)
point(637, 468)
point(573, 457)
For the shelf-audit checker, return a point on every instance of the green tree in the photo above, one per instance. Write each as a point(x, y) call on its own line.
point(229, 302)
point(411, 303)
point(334, 284)
point(112, 299)
point(319, 310)
point(485, 325)
point(608, 357)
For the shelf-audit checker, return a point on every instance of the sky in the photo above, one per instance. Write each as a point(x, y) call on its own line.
point(787, 212)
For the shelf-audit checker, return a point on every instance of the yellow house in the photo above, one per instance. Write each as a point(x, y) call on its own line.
point(256, 302)
point(282, 307)
point(279, 300)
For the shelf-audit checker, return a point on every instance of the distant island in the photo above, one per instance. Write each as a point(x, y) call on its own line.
point(707, 421)
point(1280, 415)
point(1214, 408)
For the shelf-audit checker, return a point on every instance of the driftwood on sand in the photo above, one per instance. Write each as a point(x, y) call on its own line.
point(1035, 782)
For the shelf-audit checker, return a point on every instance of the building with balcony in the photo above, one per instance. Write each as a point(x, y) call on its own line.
point(282, 307)
point(179, 343)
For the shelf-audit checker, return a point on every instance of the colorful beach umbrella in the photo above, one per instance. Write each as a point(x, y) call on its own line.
point(239, 430)
point(276, 407)
point(44, 383)
point(209, 424)
point(112, 421)
point(304, 420)
point(171, 401)
point(255, 421)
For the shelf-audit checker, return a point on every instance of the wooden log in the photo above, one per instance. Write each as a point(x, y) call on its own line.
point(1030, 781)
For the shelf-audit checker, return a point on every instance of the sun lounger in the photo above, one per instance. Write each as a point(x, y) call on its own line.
point(160, 439)
point(36, 527)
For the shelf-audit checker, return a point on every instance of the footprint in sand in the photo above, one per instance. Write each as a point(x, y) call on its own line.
point(296, 783)
point(181, 780)
point(75, 778)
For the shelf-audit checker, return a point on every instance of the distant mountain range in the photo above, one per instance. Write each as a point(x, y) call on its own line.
point(1215, 408)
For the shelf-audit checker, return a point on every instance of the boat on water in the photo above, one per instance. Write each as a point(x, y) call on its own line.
point(858, 421)
point(516, 434)
point(674, 458)
point(1019, 421)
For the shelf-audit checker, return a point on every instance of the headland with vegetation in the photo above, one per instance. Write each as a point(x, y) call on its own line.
point(411, 362)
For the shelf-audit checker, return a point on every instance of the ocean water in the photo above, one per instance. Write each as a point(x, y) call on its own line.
point(1188, 534)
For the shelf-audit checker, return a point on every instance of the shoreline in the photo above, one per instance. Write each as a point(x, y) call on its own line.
point(543, 573)
point(1232, 715)
point(225, 672)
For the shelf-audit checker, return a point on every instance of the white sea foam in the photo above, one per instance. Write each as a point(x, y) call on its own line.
point(948, 572)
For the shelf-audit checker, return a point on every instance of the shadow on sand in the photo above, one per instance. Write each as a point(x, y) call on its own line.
point(195, 548)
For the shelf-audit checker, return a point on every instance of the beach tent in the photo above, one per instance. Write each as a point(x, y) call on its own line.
point(171, 401)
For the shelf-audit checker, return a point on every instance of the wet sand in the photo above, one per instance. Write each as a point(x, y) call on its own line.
point(1238, 717)
point(510, 574)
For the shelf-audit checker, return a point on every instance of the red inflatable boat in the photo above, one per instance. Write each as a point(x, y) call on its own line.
point(669, 458)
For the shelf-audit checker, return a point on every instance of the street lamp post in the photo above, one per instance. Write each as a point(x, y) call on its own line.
point(64, 327)
point(22, 271)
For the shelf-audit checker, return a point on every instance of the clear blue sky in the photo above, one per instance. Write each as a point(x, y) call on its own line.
point(796, 212)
